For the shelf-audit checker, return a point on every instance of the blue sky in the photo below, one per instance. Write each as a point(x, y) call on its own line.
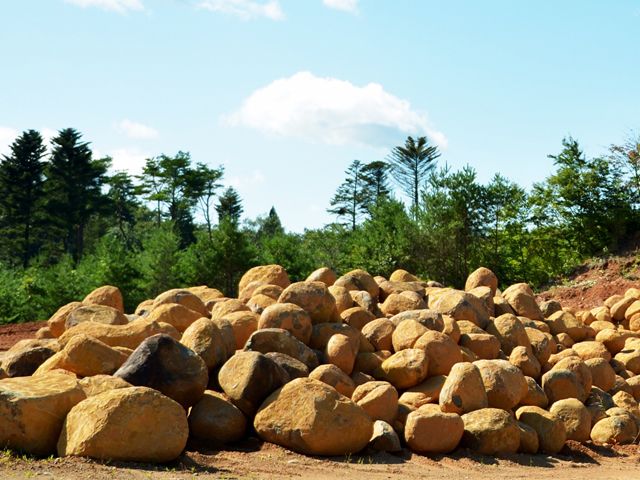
point(286, 93)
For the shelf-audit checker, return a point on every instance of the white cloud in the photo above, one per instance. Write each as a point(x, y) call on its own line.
point(7, 136)
point(244, 182)
point(120, 6)
point(136, 130)
point(332, 111)
point(246, 9)
point(347, 5)
point(127, 159)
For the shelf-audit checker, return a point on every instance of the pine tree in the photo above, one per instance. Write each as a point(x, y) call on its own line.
point(350, 199)
point(229, 206)
point(21, 184)
point(375, 175)
point(410, 166)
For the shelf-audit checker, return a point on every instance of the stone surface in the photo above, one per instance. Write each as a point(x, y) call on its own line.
point(95, 313)
point(340, 352)
point(397, 303)
point(614, 430)
point(130, 424)
point(429, 319)
point(106, 295)
point(359, 280)
point(179, 316)
point(335, 377)
point(510, 331)
point(483, 345)
point(281, 341)
point(551, 433)
point(535, 395)
point(222, 308)
point(404, 369)
point(357, 317)
point(270, 274)
point(324, 275)
point(248, 378)
point(314, 297)
point(33, 409)
point(163, 363)
point(528, 439)
point(368, 362)
point(384, 438)
point(461, 306)
point(26, 361)
point(184, 298)
point(85, 356)
point(58, 322)
point(522, 301)
point(559, 384)
point(312, 418)
point(575, 417)
point(542, 345)
point(423, 393)
point(489, 431)
point(441, 350)
point(214, 418)
point(379, 332)
point(295, 368)
point(504, 383)
point(463, 391)
point(204, 337)
point(289, 317)
point(102, 383)
point(580, 369)
point(244, 324)
point(602, 374)
point(523, 359)
point(421, 427)
point(406, 334)
point(482, 277)
point(342, 297)
point(379, 400)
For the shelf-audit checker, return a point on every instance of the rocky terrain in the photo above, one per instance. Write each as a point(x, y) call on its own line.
point(370, 374)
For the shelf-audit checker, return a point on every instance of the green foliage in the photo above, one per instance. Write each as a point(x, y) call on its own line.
point(229, 207)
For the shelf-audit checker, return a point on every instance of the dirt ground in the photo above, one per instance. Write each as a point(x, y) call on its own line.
point(588, 287)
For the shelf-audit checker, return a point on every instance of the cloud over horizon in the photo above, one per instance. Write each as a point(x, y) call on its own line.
point(332, 111)
point(120, 6)
point(346, 5)
point(246, 9)
point(136, 130)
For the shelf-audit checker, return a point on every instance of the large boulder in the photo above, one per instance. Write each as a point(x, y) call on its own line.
point(129, 336)
point(404, 369)
point(461, 306)
point(442, 351)
point(384, 438)
point(106, 295)
point(248, 378)
point(406, 334)
point(617, 429)
point(58, 321)
point(281, 341)
point(504, 383)
point(483, 345)
point(184, 298)
point(431, 431)
point(523, 359)
point(542, 345)
point(534, 395)
point(290, 317)
point(423, 393)
point(602, 373)
point(163, 363)
point(463, 391)
point(340, 352)
point(314, 297)
point(295, 368)
point(510, 331)
point(359, 280)
point(24, 362)
point(489, 431)
point(333, 376)
point(429, 319)
point(95, 313)
point(379, 333)
point(551, 433)
point(575, 417)
point(312, 418)
point(101, 383)
point(324, 275)
point(357, 317)
point(179, 316)
point(244, 324)
point(85, 356)
point(135, 424)
point(522, 301)
point(378, 399)
point(559, 384)
point(33, 409)
point(270, 274)
point(204, 337)
point(482, 277)
point(343, 298)
point(216, 419)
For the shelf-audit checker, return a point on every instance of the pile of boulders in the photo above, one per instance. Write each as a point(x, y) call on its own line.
point(327, 366)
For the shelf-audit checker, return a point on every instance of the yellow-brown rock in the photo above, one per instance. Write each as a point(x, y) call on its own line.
point(612, 339)
point(421, 425)
point(486, 295)
point(259, 302)
point(482, 277)
point(630, 358)
point(271, 274)
point(390, 287)
point(322, 332)
point(288, 316)
point(501, 306)
point(205, 293)
point(423, 393)
point(102, 383)
point(342, 297)
point(618, 310)
point(228, 336)
point(579, 368)
point(58, 322)
point(105, 295)
point(214, 418)
point(312, 418)
point(602, 373)
point(632, 310)
point(601, 314)
point(144, 308)
point(559, 384)
point(522, 301)
point(551, 433)
point(357, 317)
point(247, 292)
point(204, 337)
point(564, 322)
point(523, 359)
point(442, 352)
point(528, 439)
point(335, 377)
point(324, 275)
point(406, 334)
point(614, 430)
point(489, 431)
point(505, 384)
point(362, 298)
point(626, 401)
point(223, 308)
point(510, 331)
point(130, 335)
point(379, 333)
point(468, 356)
point(340, 352)
point(401, 275)
point(130, 424)
point(243, 324)
point(634, 383)
point(368, 362)
point(85, 356)
point(25, 360)
point(33, 409)
point(379, 400)
point(97, 314)
point(467, 327)
point(461, 306)
point(450, 328)
point(397, 303)
point(184, 298)
point(359, 280)
point(575, 417)
point(176, 315)
point(404, 369)
point(463, 391)
point(535, 395)
point(314, 297)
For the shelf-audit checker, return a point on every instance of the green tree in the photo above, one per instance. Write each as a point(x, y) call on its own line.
point(73, 187)
point(21, 184)
point(229, 207)
point(205, 187)
point(375, 175)
point(350, 199)
point(410, 166)
point(160, 259)
point(124, 197)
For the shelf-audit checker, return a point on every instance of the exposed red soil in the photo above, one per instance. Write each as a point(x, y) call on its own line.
point(12, 334)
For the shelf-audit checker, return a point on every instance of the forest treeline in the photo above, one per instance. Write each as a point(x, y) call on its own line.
point(68, 224)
